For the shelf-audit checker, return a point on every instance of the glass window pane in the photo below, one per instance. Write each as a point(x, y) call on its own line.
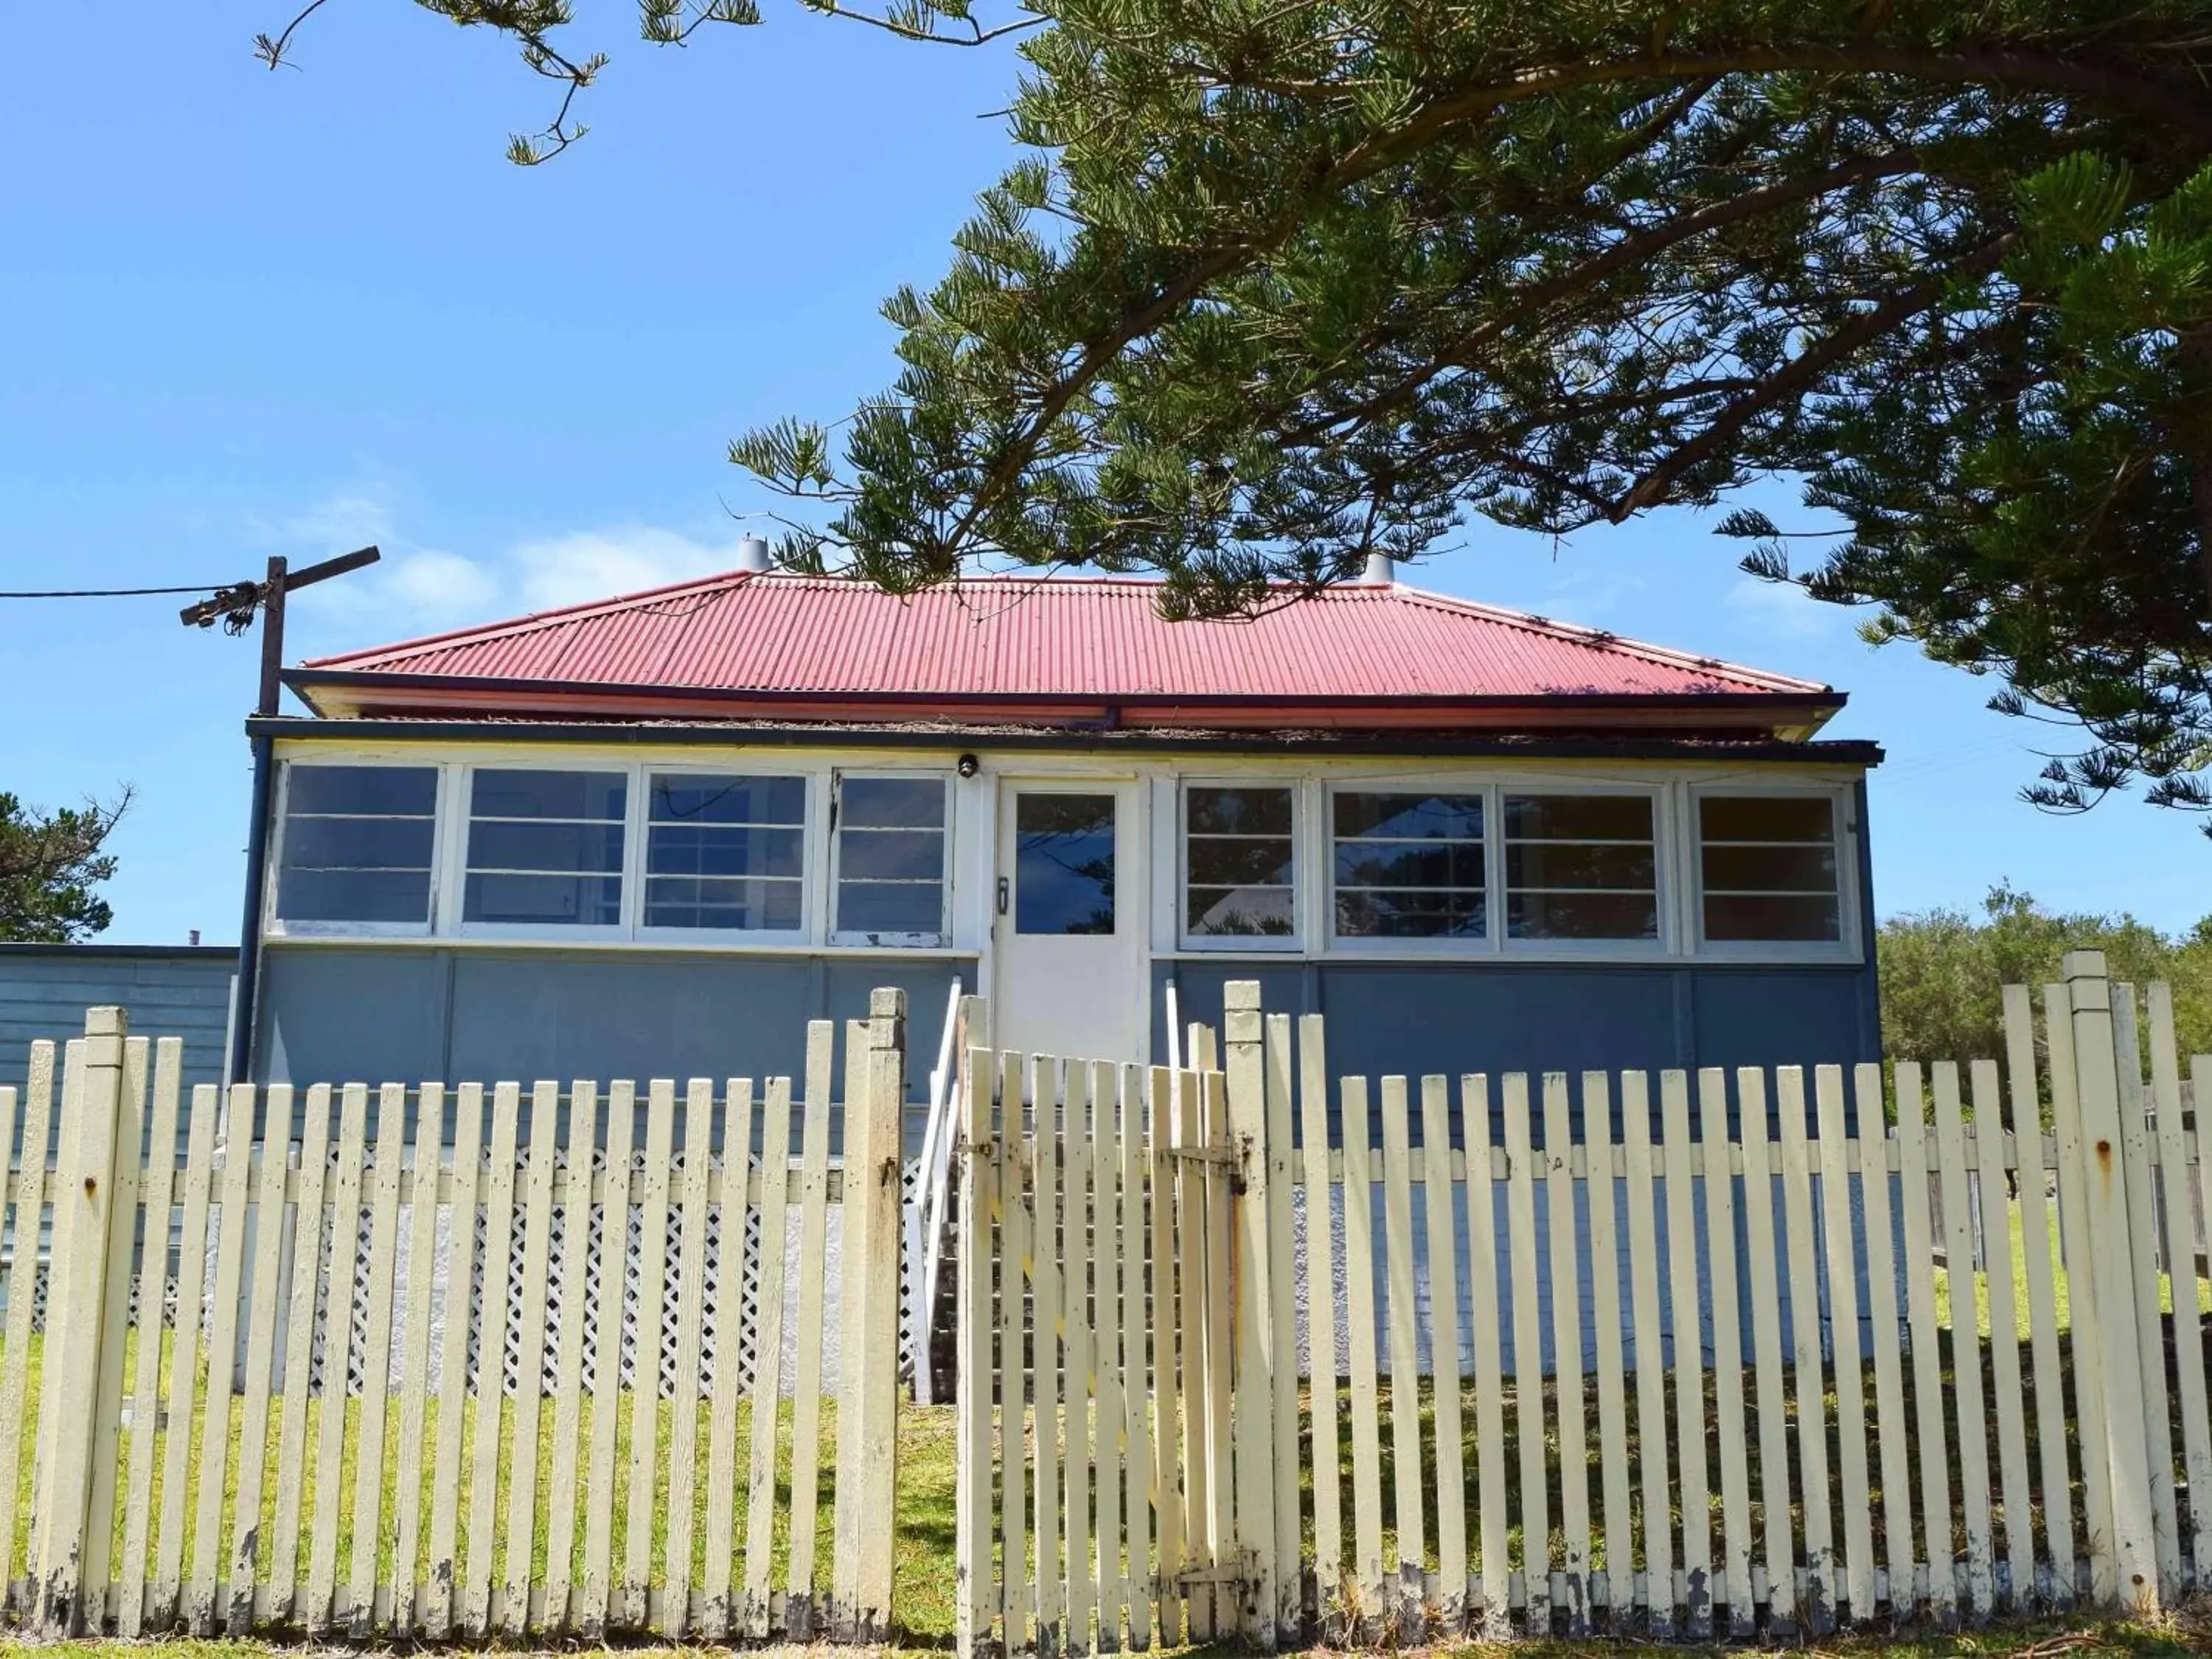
point(891, 803)
point(1369, 913)
point(363, 790)
point(1578, 864)
point(1211, 812)
point(692, 798)
point(597, 848)
point(682, 849)
point(1766, 817)
point(1579, 818)
point(1237, 861)
point(891, 855)
point(498, 792)
point(752, 905)
point(576, 900)
point(353, 895)
point(1810, 869)
point(1063, 864)
point(1582, 915)
point(1239, 912)
point(1405, 817)
point(874, 906)
point(1811, 919)
point(1409, 864)
point(358, 843)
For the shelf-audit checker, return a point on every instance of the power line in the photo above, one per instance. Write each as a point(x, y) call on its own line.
point(113, 593)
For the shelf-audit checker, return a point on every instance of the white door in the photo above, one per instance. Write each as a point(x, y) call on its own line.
point(1067, 934)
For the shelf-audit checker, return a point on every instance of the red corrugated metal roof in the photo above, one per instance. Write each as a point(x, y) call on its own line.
point(999, 638)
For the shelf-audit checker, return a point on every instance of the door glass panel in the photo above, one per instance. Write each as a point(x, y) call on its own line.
point(1063, 864)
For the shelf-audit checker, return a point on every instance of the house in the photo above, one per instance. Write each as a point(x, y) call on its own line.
point(653, 835)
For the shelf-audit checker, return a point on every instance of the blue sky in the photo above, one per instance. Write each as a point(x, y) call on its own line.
point(244, 313)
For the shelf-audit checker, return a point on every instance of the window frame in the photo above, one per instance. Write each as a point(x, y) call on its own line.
point(1666, 938)
point(634, 905)
point(1481, 785)
point(275, 926)
point(1848, 945)
point(464, 811)
point(1293, 942)
point(836, 938)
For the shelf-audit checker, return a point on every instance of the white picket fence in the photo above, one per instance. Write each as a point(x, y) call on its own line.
point(546, 1333)
point(1792, 1375)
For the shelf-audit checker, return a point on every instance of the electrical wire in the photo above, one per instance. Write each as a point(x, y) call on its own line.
point(115, 592)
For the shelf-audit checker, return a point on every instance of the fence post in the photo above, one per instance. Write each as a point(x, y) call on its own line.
point(76, 1306)
point(867, 1412)
point(2104, 1241)
point(1253, 1400)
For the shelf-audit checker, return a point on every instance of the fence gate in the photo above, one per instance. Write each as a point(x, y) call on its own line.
point(1105, 1210)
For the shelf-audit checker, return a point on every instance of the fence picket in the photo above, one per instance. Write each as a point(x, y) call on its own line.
point(155, 1187)
point(1359, 1319)
point(690, 1321)
point(570, 1447)
point(529, 1364)
point(977, 1583)
point(1836, 1158)
point(645, 1379)
point(1567, 1351)
point(1015, 1237)
point(1077, 1253)
point(1527, 1353)
point(376, 1356)
point(1491, 1469)
point(2141, 1261)
point(1891, 1428)
point(1966, 1340)
point(305, 1277)
point(721, 1611)
point(2181, 1268)
point(606, 1363)
point(123, 1233)
point(1043, 1224)
point(1402, 1316)
point(1619, 1579)
point(1727, 1348)
point(1927, 1374)
point(767, 1360)
point(221, 1355)
point(801, 1610)
point(1321, 1315)
point(1110, 1256)
point(491, 1358)
point(1161, 1087)
point(2004, 1330)
point(2035, 1220)
point(2200, 1083)
point(261, 1346)
point(414, 1384)
point(1220, 1334)
point(22, 1278)
point(1650, 1352)
point(1282, 1314)
point(1769, 1383)
point(185, 1353)
point(1450, 1470)
point(1143, 1291)
point(1692, 1438)
point(1819, 1598)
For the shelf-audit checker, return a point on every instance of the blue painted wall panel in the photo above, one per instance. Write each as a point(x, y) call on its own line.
point(168, 992)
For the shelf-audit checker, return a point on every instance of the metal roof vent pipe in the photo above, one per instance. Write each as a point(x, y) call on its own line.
point(1382, 571)
point(752, 555)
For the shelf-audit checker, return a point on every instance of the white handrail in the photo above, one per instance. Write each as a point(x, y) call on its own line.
point(927, 1215)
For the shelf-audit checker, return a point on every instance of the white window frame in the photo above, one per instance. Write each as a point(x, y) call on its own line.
point(1665, 942)
point(634, 905)
point(1848, 945)
point(274, 926)
point(624, 925)
point(1292, 943)
point(1394, 945)
point(832, 933)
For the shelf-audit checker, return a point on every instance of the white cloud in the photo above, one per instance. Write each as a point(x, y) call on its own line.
point(438, 585)
point(1783, 608)
point(596, 564)
point(339, 523)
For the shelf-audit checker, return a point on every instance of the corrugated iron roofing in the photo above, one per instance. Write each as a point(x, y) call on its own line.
point(1015, 636)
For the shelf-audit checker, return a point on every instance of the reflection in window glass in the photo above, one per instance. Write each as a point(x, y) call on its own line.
point(1239, 868)
point(1580, 868)
point(725, 851)
point(358, 844)
point(546, 847)
point(891, 858)
point(1063, 864)
point(1768, 868)
point(1409, 866)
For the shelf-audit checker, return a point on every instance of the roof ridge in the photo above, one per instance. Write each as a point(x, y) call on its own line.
point(1550, 627)
point(510, 626)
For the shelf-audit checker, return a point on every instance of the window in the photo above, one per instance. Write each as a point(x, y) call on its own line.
point(1063, 863)
point(1580, 868)
point(725, 851)
point(1768, 868)
point(545, 848)
point(359, 842)
point(1409, 866)
point(1239, 863)
point(890, 859)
